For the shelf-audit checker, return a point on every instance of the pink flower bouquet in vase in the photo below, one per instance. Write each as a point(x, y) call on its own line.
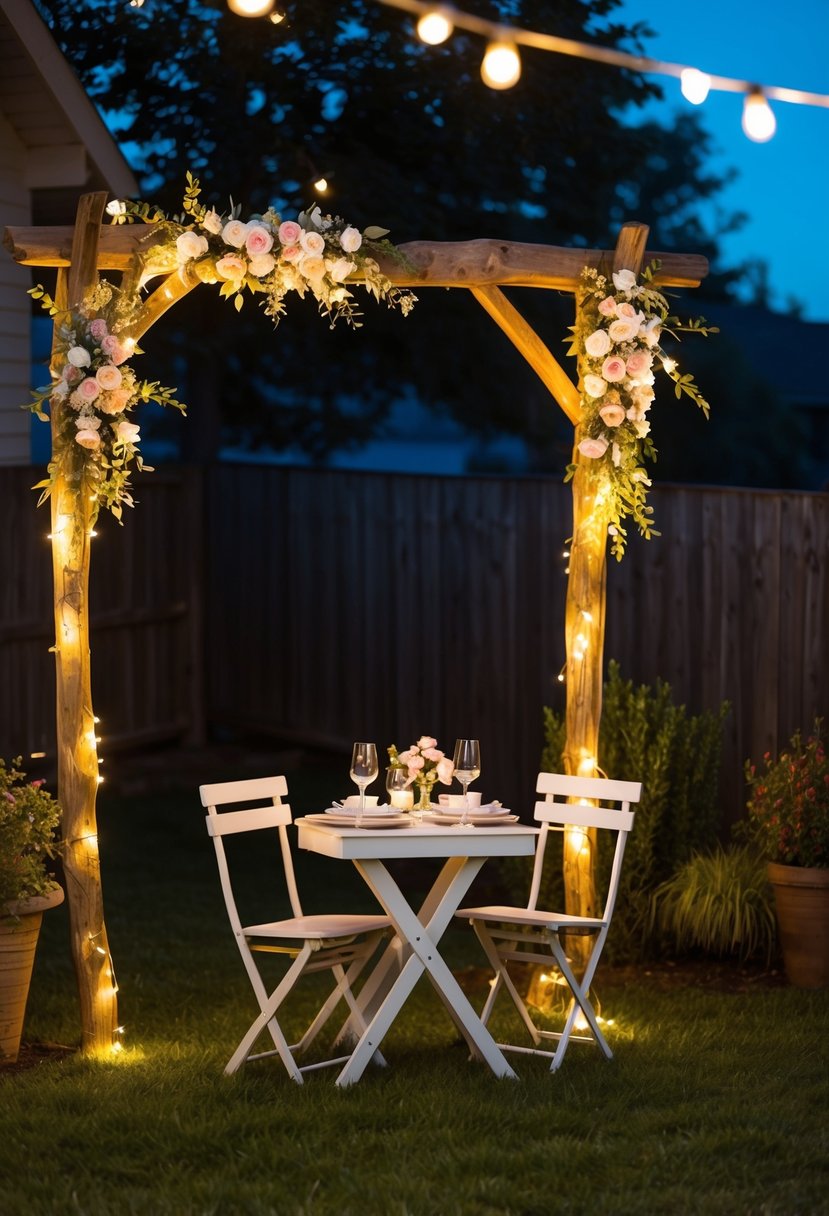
point(425, 765)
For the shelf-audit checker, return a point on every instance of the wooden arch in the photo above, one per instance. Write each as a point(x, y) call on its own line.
point(483, 267)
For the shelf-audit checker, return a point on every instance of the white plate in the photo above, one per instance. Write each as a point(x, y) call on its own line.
point(455, 812)
point(478, 821)
point(369, 822)
point(372, 812)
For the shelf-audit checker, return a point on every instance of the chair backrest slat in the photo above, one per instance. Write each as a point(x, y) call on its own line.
point(556, 810)
point(225, 823)
point(243, 791)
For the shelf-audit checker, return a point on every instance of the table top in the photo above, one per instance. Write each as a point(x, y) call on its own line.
point(419, 840)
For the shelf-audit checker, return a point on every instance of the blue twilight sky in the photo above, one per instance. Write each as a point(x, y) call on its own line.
point(784, 184)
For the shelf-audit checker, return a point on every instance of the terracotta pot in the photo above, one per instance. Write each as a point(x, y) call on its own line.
point(19, 931)
point(801, 897)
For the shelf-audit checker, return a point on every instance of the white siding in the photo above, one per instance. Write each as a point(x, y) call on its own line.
point(15, 306)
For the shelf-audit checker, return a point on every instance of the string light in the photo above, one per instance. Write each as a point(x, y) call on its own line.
point(250, 8)
point(321, 185)
point(501, 67)
point(434, 27)
point(694, 83)
point(759, 122)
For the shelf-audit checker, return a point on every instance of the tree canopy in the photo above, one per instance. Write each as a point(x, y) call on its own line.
point(408, 137)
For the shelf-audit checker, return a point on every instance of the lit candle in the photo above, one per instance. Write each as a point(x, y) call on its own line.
point(402, 799)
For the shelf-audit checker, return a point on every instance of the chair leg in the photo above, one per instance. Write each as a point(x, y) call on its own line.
point(267, 1019)
point(503, 978)
point(580, 1001)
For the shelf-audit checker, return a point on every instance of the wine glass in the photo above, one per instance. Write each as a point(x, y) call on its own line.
point(364, 770)
point(467, 761)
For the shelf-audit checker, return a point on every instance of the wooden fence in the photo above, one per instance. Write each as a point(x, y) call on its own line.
point(327, 606)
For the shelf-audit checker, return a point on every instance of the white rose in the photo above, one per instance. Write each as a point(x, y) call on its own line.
point(116, 207)
point(261, 264)
point(340, 269)
point(595, 386)
point(312, 268)
point(235, 233)
point(78, 356)
point(190, 245)
point(598, 344)
point(624, 280)
point(351, 240)
point(313, 243)
point(212, 222)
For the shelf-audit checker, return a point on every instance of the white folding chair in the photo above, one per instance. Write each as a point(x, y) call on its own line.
point(341, 943)
point(531, 934)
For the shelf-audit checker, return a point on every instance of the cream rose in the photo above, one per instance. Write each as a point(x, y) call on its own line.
point(624, 329)
point(235, 233)
point(292, 253)
point(261, 264)
point(115, 402)
point(313, 268)
point(232, 267)
point(613, 369)
point(607, 306)
point(78, 356)
point(597, 344)
point(212, 222)
point(612, 413)
point(108, 376)
point(624, 280)
point(594, 386)
point(313, 243)
point(190, 245)
point(350, 240)
point(594, 448)
point(127, 432)
point(639, 362)
point(88, 439)
point(340, 269)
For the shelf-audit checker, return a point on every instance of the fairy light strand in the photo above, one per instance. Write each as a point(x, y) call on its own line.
point(501, 32)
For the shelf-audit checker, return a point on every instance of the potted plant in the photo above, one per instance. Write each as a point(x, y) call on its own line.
point(28, 819)
point(788, 816)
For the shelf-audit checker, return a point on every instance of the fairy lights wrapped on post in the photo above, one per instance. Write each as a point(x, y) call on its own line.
point(621, 320)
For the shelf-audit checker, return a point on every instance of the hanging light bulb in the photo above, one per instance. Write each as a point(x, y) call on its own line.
point(695, 85)
point(501, 67)
point(434, 27)
point(321, 185)
point(759, 122)
point(250, 8)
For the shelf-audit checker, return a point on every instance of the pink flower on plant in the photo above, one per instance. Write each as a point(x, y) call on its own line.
point(88, 439)
point(607, 306)
point(259, 239)
point(426, 741)
point(614, 369)
point(640, 361)
point(414, 764)
point(289, 233)
point(612, 413)
point(111, 347)
point(88, 389)
point(292, 253)
point(593, 448)
point(98, 328)
point(432, 753)
point(108, 376)
point(313, 243)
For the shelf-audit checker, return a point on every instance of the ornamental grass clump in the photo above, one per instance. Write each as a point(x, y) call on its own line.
point(29, 817)
point(788, 811)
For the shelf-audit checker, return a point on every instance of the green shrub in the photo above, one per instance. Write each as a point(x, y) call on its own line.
point(645, 737)
point(719, 902)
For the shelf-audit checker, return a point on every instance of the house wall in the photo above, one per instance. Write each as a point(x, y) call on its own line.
point(15, 307)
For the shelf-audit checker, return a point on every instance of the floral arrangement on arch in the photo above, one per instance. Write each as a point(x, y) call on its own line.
point(621, 324)
point(788, 810)
point(424, 762)
point(96, 442)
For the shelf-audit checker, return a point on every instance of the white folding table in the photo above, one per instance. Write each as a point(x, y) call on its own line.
point(415, 950)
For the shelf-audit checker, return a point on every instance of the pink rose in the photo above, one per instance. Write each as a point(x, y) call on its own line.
point(607, 306)
point(594, 448)
point(612, 413)
point(426, 741)
point(259, 239)
point(113, 348)
point(72, 374)
point(292, 253)
point(108, 376)
point(597, 344)
point(313, 243)
point(98, 328)
point(614, 369)
point(627, 310)
point(88, 439)
point(445, 770)
point(432, 753)
point(232, 267)
point(640, 361)
point(289, 233)
point(414, 765)
point(88, 389)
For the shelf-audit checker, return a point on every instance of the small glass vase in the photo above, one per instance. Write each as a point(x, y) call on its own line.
point(424, 791)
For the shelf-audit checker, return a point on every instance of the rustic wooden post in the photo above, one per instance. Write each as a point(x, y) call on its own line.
point(584, 626)
point(73, 513)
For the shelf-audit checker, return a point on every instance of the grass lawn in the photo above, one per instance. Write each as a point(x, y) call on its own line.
point(716, 1101)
